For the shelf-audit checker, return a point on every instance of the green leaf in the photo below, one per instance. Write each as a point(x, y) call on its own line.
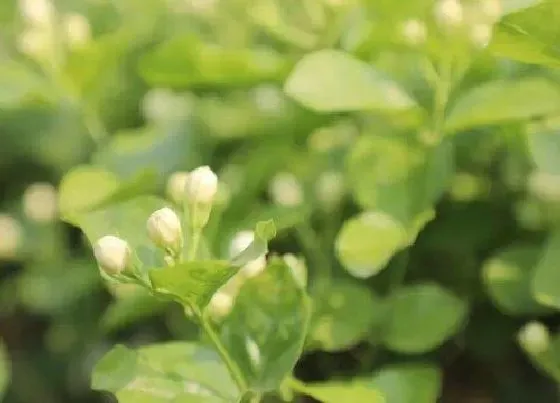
point(504, 100)
point(332, 81)
point(508, 276)
point(421, 317)
point(544, 147)
point(339, 324)
point(4, 370)
point(530, 35)
point(408, 383)
point(167, 373)
point(546, 280)
point(192, 283)
point(542, 348)
point(126, 220)
point(186, 61)
point(267, 327)
point(366, 243)
point(337, 392)
point(76, 195)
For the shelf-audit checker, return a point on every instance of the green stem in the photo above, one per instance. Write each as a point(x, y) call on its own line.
point(224, 354)
point(193, 244)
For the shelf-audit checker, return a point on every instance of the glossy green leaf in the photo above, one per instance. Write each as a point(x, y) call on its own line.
point(408, 383)
point(167, 373)
point(337, 392)
point(186, 61)
point(504, 100)
point(508, 276)
point(267, 327)
point(546, 280)
point(126, 220)
point(367, 242)
point(339, 324)
point(333, 81)
point(4, 370)
point(421, 317)
point(76, 195)
point(530, 35)
point(192, 283)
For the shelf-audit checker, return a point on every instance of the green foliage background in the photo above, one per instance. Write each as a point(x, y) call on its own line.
point(414, 165)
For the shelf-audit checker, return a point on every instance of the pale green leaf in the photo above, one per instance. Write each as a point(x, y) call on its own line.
point(546, 280)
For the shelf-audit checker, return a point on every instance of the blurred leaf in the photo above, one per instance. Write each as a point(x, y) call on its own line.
point(76, 195)
point(421, 317)
point(333, 81)
point(158, 149)
point(126, 220)
point(4, 370)
point(503, 100)
point(186, 61)
point(339, 325)
point(17, 83)
point(267, 327)
point(408, 383)
point(130, 308)
point(366, 243)
point(508, 276)
point(337, 392)
point(546, 280)
point(530, 35)
point(193, 283)
point(544, 147)
point(172, 372)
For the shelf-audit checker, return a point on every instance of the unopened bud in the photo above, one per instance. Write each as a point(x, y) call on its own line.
point(164, 229)
point(448, 13)
point(534, 337)
point(37, 12)
point(414, 32)
point(11, 235)
point(40, 202)
point(491, 10)
point(202, 186)
point(239, 243)
point(480, 35)
point(112, 254)
point(78, 31)
point(176, 186)
point(220, 305)
point(285, 190)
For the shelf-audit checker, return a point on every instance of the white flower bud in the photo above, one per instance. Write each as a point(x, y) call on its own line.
point(35, 43)
point(11, 235)
point(220, 305)
point(112, 254)
point(202, 185)
point(414, 32)
point(239, 243)
point(176, 186)
point(40, 202)
point(285, 190)
point(78, 31)
point(164, 229)
point(534, 337)
point(448, 13)
point(37, 12)
point(480, 35)
point(491, 10)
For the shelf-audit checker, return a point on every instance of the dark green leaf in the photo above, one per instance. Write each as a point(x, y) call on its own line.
point(508, 276)
point(332, 81)
point(421, 317)
point(408, 383)
point(266, 329)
